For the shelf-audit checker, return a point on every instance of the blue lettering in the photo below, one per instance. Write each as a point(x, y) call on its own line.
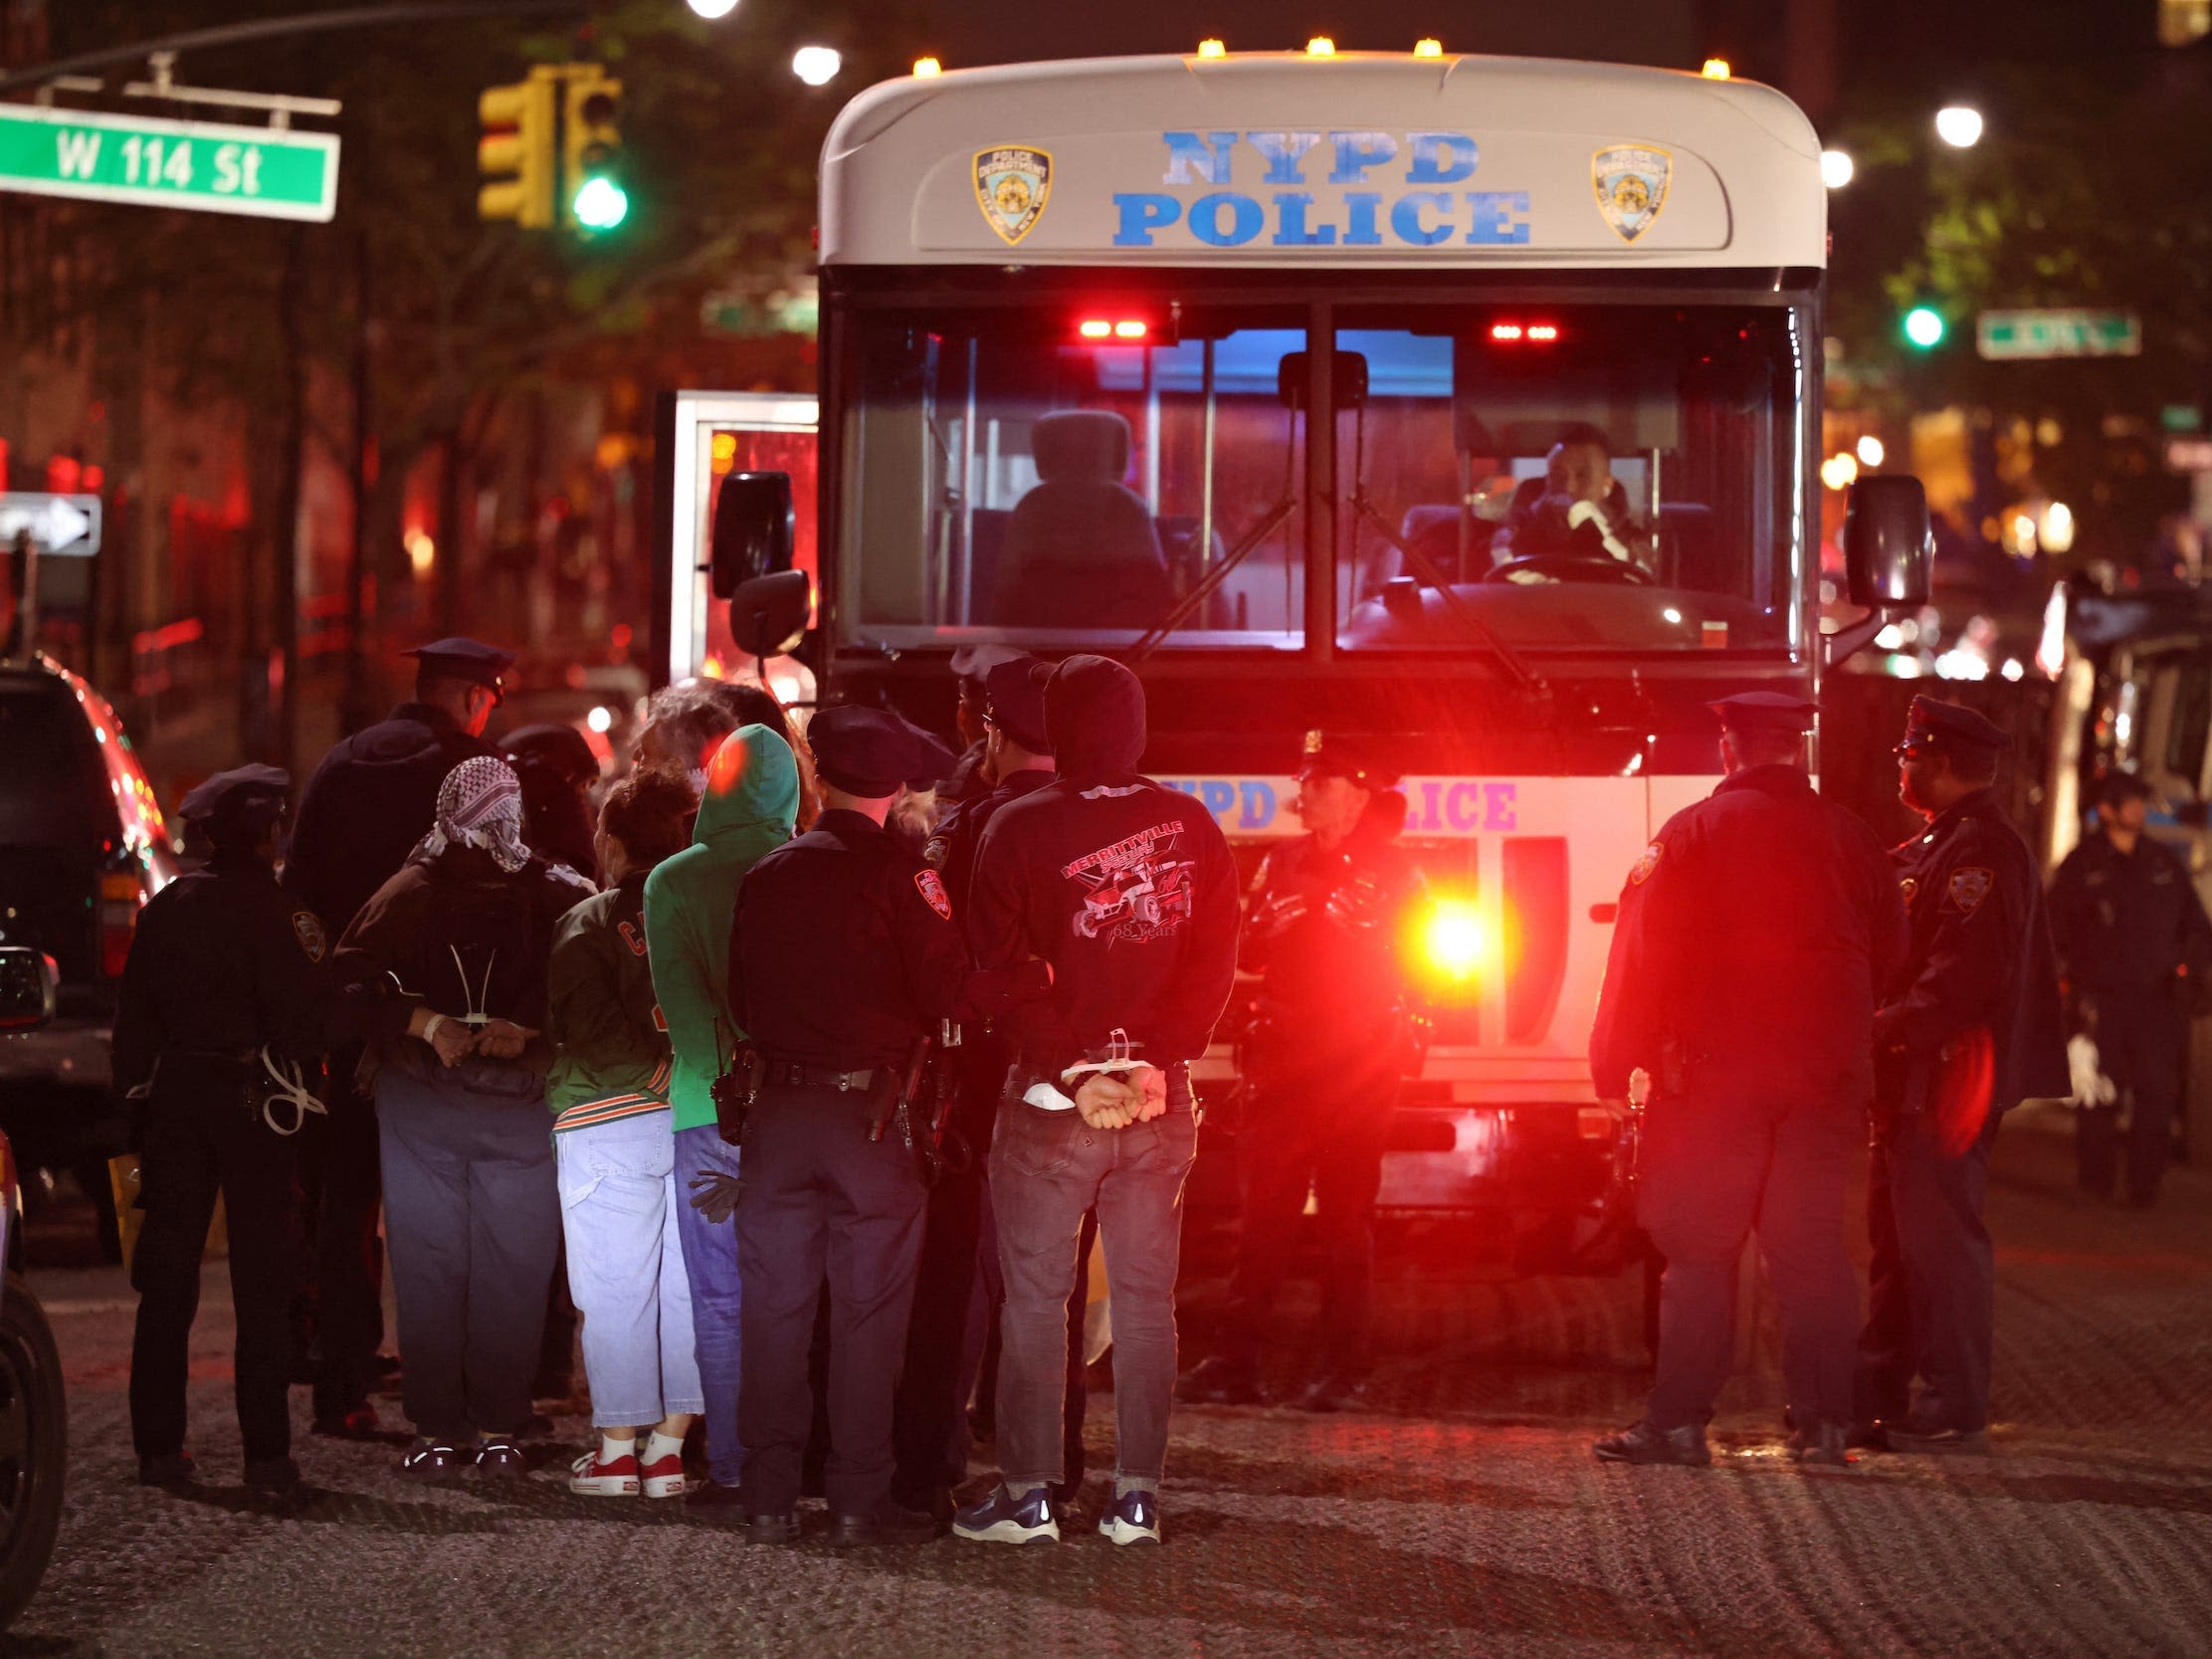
point(1285, 154)
point(1405, 217)
point(1356, 153)
point(1290, 228)
point(1494, 226)
point(1441, 158)
point(1459, 806)
point(1259, 805)
point(1217, 795)
point(1431, 804)
point(1497, 804)
point(1143, 212)
point(1363, 206)
point(1245, 219)
point(1196, 159)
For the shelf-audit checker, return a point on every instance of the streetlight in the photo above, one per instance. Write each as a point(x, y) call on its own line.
point(1958, 126)
point(1870, 451)
point(1836, 168)
point(711, 9)
point(817, 66)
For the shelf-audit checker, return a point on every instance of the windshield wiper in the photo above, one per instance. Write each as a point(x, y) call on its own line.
point(1207, 585)
point(1425, 569)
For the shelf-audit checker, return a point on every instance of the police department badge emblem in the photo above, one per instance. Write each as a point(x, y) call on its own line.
point(1631, 182)
point(306, 928)
point(1645, 865)
point(1012, 185)
point(932, 886)
point(1970, 887)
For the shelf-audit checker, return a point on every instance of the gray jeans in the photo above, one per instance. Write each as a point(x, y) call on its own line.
point(1047, 1170)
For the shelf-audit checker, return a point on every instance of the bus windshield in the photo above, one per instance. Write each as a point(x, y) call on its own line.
point(1575, 477)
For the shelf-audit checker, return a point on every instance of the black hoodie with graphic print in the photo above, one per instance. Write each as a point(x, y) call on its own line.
point(1126, 887)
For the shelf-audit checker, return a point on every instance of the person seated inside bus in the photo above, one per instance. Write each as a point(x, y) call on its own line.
point(1082, 549)
point(1577, 510)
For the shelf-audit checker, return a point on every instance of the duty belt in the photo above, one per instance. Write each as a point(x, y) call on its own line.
point(800, 1074)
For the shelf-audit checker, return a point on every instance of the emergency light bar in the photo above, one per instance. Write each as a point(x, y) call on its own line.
point(1539, 334)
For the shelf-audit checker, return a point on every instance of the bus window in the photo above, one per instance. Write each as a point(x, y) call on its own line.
point(1588, 476)
point(1006, 472)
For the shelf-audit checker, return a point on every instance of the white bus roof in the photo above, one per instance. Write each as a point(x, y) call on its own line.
point(1280, 159)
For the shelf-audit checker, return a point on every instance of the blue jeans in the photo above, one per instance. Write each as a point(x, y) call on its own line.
point(626, 1272)
point(710, 1264)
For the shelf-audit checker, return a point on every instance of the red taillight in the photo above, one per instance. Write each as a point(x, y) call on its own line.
point(119, 900)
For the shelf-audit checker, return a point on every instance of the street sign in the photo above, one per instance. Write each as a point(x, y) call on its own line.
point(64, 526)
point(2189, 454)
point(268, 173)
point(2058, 333)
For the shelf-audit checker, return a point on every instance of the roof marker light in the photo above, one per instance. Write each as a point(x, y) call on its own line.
point(1321, 46)
point(924, 68)
point(1211, 48)
point(1428, 47)
point(1717, 68)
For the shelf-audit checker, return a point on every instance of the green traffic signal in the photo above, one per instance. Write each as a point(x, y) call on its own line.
point(600, 204)
point(1924, 326)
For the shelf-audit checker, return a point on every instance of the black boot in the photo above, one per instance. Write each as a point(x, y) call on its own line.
point(1645, 1444)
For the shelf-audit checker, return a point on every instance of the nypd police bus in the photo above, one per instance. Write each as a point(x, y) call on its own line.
point(1465, 405)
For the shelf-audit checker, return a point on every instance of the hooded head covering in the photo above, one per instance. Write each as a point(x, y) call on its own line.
point(479, 806)
point(1094, 719)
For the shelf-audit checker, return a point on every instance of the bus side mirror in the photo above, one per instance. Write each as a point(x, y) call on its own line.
point(767, 614)
point(1889, 548)
point(753, 530)
point(28, 980)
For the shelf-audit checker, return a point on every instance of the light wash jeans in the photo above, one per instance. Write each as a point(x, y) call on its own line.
point(717, 1295)
point(619, 1201)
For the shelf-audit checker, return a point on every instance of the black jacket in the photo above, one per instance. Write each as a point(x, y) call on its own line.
point(844, 950)
point(1754, 937)
point(1981, 962)
point(374, 796)
point(2128, 921)
point(1126, 887)
point(1324, 931)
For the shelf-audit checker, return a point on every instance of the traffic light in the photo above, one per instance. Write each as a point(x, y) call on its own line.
point(516, 152)
point(1924, 326)
point(592, 197)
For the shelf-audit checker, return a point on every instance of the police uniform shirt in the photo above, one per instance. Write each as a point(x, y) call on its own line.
point(2124, 920)
point(1754, 936)
point(1981, 955)
point(1323, 928)
point(843, 948)
point(223, 961)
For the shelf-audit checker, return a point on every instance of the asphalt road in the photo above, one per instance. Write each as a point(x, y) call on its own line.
point(1461, 1513)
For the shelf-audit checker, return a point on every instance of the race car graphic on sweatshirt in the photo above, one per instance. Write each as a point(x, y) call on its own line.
point(1134, 889)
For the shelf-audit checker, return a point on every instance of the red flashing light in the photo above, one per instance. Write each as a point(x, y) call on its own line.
point(1095, 328)
point(1544, 330)
point(1539, 334)
point(1128, 330)
point(1505, 330)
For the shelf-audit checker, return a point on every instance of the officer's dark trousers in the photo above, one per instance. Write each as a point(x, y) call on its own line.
point(471, 1211)
point(820, 1197)
point(2139, 1038)
point(344, 1175)
point(1712, 1172)
point(202, 1139)
point(1325, 1134)
point(1931, 1291)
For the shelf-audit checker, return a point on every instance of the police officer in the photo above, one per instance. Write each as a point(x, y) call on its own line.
point(1329, 1043)
point(843, 957)
point(374, 796)
point(2134, 942)
point(222, 996)
point(1754, 937)
point(1971, 1028)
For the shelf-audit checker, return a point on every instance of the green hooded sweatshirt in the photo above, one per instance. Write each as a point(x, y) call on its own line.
point(748, 810)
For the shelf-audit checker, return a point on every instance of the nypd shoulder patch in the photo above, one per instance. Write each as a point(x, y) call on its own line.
point(1642, 872)
point(932, 886)
point(1969, 887)
point(306, 928)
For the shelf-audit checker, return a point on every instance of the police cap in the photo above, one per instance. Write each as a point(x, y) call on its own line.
point(870, 752)
point(237, 805)
point(1765, 712)
point(1953, 727)
point(462, 659)
point(1345, 757)
point(1014, 701)
point(975, 662)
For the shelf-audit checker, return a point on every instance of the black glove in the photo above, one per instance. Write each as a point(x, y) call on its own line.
point(716, 1196)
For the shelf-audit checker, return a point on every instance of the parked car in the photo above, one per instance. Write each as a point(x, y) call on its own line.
point(34, 1411)
point(82, 849)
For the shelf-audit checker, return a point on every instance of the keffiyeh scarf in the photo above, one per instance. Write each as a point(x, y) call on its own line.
point(479, 806)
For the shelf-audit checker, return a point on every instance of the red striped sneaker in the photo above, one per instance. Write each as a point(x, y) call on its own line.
point(589, 1478)
point(664, 1479)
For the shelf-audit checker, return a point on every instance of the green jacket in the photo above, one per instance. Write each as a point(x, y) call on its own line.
point(612, 1055)
point(750, 803)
